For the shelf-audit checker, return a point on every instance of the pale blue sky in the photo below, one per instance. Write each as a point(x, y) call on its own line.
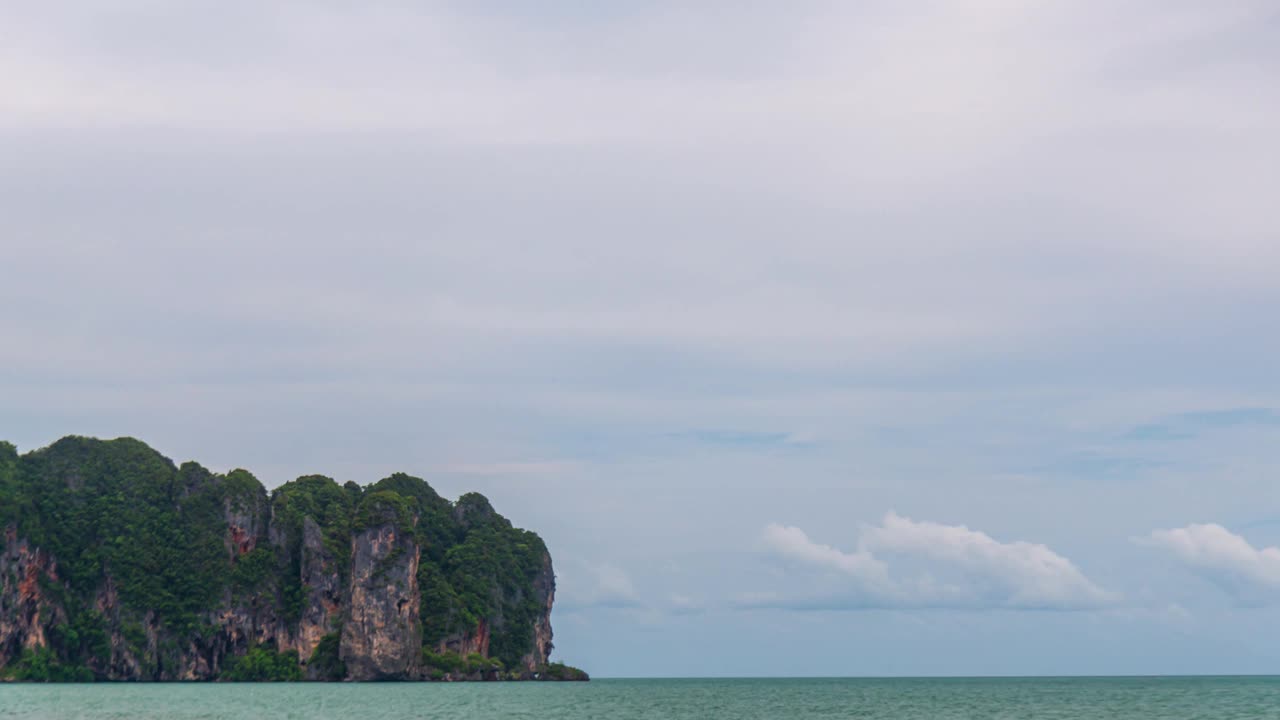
point(815, 338)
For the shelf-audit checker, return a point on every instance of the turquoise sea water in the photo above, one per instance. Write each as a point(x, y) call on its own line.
point(1173, 698)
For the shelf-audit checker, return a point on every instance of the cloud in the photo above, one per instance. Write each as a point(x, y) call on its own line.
point(794, 544)
point(475, 237)
point(1096, 464)
point(680, 604)
point(1234, 417)
point(1250, 575)
point(834, 186)
point(1184, 426)
point(902, 563)
point(596, 586)
point(741, 439)
point(515, 468)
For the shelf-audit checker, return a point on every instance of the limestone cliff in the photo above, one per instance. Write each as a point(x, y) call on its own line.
point(382, 638)
point(119, 565)
point(26, 606)
point(544, 593)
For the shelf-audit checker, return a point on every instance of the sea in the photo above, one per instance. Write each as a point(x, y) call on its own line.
point(1128, 698)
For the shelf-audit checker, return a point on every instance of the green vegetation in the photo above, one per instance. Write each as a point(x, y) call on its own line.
point(451, 662)
point(120, 505)
point(253, 571)
point(384, 507)
point(325, 663)
point(476, 566)
point(173, 546)
point(263, 665)
point(492, 571)
point(560, 671)
point(330, 507)
point(41, 665)
point(8, 483)
point(82, 639)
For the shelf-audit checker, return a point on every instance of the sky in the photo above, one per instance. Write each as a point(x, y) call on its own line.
point(815, 338)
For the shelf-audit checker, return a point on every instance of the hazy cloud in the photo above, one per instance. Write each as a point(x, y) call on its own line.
point(680, 604)
point(601, 585)
point(511, 469)
point(1184, 426)
point(741, 438)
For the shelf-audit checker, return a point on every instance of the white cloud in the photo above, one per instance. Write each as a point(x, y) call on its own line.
point(794, 544)
point(1028, 574)
point(1250, 575)
point(904, 563)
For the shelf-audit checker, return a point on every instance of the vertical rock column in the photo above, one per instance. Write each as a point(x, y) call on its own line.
point(382, 637)
point(320, 579)
point(544, 588)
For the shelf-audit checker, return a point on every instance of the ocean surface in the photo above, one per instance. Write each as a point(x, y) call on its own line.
point(1165, 698)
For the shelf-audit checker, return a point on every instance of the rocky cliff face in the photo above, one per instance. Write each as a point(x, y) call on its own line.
point(544, 593)
point(324, 597)
point(117, 565)
point(381, 638)
point(26, 607)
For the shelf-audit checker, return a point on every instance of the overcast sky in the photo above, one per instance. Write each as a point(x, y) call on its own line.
point(815, 338)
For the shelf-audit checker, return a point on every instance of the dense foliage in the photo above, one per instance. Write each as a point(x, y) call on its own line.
point(328, 505)
point(560, 671)
point(326, 662)
point(42, 665)
point(120, 506)
point(8, 483)
point(439, 664)
point(179, 543)
point(490, 571)
point(263, 665)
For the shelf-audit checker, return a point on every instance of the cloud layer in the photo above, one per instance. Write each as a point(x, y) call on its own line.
point(909, 564)
point(653, 274)
point(1248, 574)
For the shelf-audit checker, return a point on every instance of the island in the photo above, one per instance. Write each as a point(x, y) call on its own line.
point(120, 565)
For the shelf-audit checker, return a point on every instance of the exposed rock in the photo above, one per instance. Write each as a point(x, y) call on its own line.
point(324, 593)
point(247, 516)
point(468, 643)
point(25, 607)
point(544, 588)
point(381, 639)
point(122, 661)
